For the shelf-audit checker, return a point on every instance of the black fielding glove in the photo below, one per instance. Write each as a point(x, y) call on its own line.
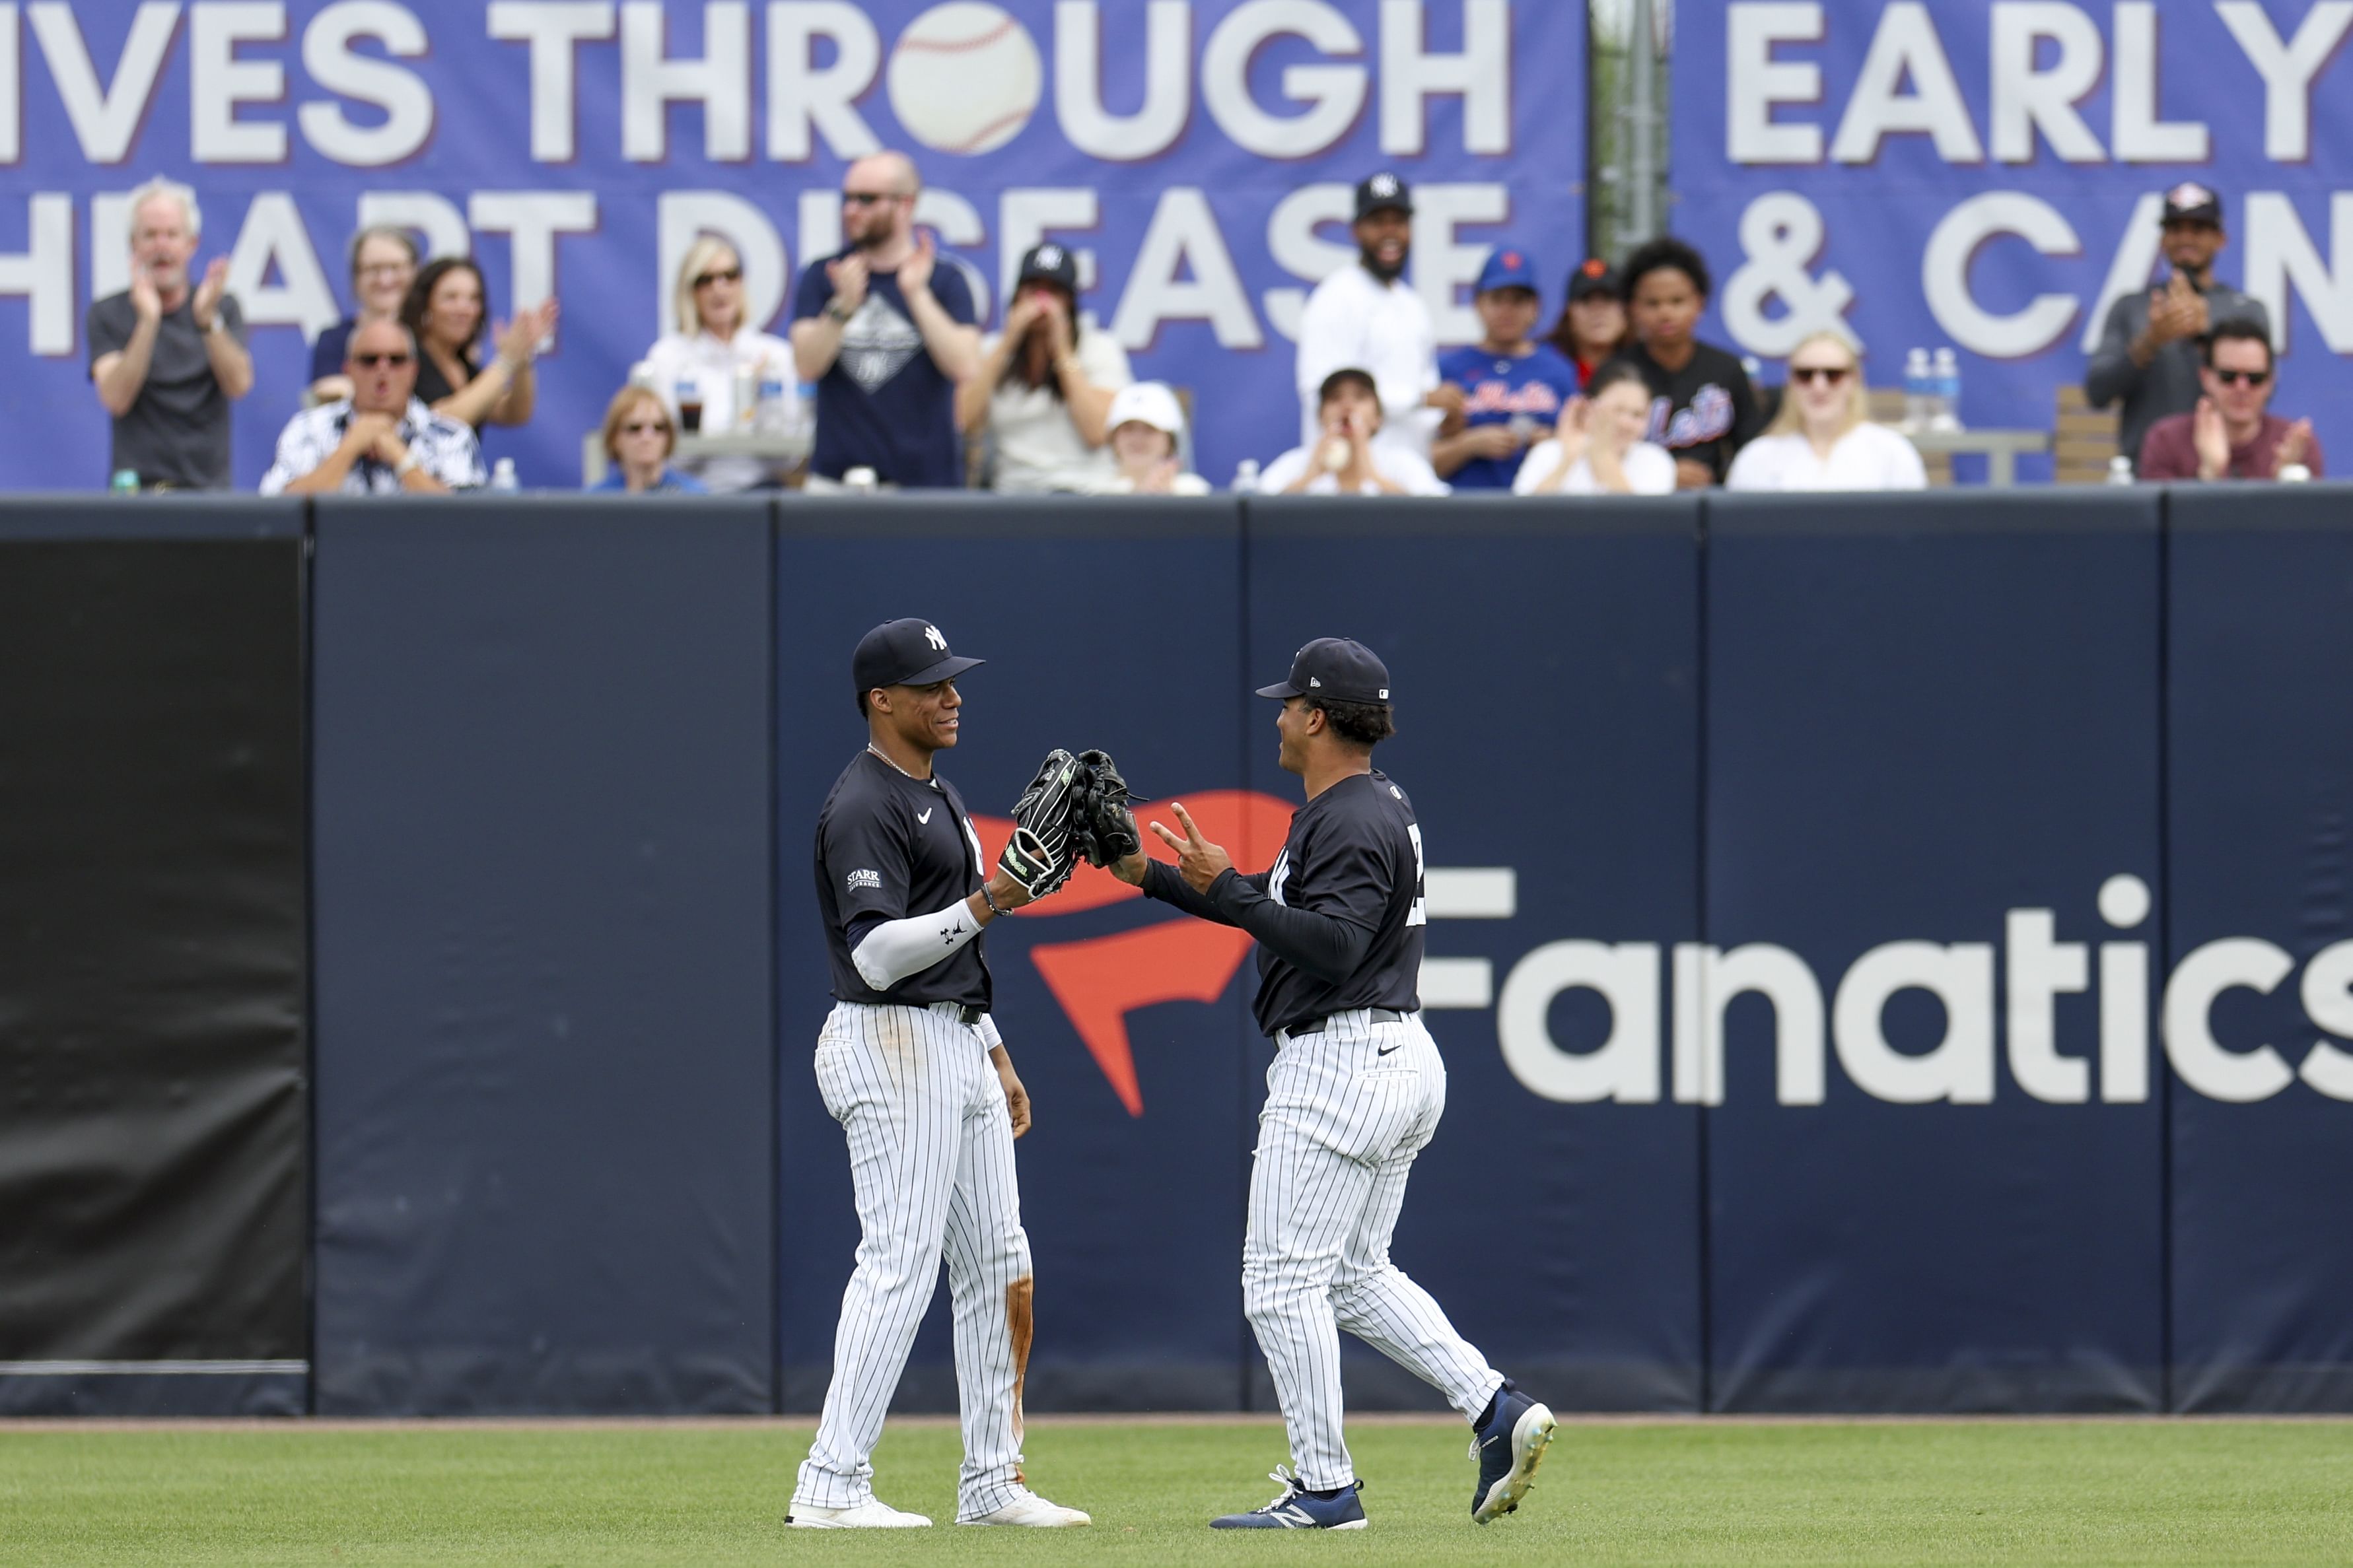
point(1106, 828)
point(1043, 851)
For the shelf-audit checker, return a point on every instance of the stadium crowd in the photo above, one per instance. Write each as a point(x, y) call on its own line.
point(902, 390)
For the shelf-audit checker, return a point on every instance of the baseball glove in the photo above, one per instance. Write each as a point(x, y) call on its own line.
point(1106, 828)
point(1043, 848)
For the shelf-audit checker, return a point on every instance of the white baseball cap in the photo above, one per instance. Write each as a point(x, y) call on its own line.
point(1149, 403)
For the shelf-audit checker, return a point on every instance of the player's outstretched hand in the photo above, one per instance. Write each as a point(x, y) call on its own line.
point(1197, 860)
point(1105, 826)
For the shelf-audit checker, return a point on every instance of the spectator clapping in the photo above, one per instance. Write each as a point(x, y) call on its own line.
point(1597, 446)
point(2232, 434)
point(446, 311)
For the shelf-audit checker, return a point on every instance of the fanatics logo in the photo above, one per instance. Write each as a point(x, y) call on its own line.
point(871, 880)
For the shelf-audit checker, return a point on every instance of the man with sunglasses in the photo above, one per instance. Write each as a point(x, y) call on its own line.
point(886, 334)
point(382, 439)
point(2148, 358)
point(2232, 434)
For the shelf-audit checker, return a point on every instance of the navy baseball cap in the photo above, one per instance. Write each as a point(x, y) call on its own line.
point(1341, 668)
point(1050, 263)
point(2191, 202)
point(1507, 268)
point(910, 652)
point(1383, 189)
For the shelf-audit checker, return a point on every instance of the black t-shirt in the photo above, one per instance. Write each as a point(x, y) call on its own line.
point(889, 847)
point(1706, 410)
point(432, 387)
point(882, 403)
point(176, 431)
point(1352, 856)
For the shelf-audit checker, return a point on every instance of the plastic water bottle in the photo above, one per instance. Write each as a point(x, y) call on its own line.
point(747, 396)
point(2120, 470)
point(805, 413)
point(1946, 384)
point(502, 475)
point(1916, 378)
point(774, 417)
point(1246, 477)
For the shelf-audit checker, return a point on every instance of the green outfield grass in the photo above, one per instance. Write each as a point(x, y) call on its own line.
point(1692, 1492)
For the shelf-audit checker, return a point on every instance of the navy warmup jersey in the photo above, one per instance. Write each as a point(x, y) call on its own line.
point(889, 847)
point(1353, 854)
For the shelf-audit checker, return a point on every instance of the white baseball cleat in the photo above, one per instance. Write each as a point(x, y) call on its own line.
point(872, 1514)
point(1032, 1510)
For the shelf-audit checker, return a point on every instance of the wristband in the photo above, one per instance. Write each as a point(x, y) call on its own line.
point(994, 907)
point(838, 311)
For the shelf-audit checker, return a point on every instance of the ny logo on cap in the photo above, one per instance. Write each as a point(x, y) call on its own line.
point(1382, 184)
point(1050, 256)
point(932, 636)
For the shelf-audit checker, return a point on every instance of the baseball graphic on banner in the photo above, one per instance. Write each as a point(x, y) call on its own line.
point(965, 78)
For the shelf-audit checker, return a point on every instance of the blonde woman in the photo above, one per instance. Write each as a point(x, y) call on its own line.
point(713, 343)
point(1597, 448)
point(1820, 440)
point(639, 436)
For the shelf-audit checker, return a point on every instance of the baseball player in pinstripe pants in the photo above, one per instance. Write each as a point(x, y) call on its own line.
point(1356, 1091)
point(910, 1064)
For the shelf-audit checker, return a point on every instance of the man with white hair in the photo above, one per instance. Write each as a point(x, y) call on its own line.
point(167, 355)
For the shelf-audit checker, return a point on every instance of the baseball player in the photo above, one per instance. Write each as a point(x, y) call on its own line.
point(1356, 1091)
point(911, 1065)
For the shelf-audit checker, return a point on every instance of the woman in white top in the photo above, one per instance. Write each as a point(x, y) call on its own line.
point(1146, 425)
point(1347, 461)
point(1597, 447)
point(1045, 385)
point(710, 352)
point(1820, 440)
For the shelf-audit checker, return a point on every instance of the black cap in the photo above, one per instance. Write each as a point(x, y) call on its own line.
point(1338, 667)
point(1383, 189)
point(1050, 263)
point(910, 652)
point(1595, 277)
point(2191, 202)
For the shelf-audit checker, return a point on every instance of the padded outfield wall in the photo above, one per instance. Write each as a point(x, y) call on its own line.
point(1901, 957)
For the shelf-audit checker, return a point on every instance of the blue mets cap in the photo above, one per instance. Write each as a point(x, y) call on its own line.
point(1507, 267)
point(909, 652)
point(1341, 668)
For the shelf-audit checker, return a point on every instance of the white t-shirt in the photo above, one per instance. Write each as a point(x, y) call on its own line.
point(1867, 457)
point(1650, 469)
point(1182, 485)
point(1038, 443)
point(710, 364)
point(1414, 473)
point(1354, 321)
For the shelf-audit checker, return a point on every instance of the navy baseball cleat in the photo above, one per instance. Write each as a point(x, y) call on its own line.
point(1297, 1510)
point(1508, 1448)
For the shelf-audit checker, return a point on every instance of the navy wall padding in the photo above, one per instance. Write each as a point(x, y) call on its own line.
point(1918, 719)
point(1545, 667)
point(544, 984)
point(2259, 662)
point(1111, 625)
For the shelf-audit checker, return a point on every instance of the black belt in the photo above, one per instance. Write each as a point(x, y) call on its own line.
point(1316, 1026)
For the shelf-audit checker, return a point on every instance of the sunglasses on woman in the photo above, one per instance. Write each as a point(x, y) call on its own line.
point(1828, 374)
point(641, 427)
point(724, 275)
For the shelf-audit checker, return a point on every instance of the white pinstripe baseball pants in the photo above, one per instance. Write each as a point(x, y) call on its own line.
point(1347, 1112)
point(931, 1158)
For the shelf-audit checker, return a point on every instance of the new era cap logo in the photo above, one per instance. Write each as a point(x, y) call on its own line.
point(932, 636)
point(1312, 680)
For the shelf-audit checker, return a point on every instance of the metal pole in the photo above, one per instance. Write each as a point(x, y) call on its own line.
point(1640, 195)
